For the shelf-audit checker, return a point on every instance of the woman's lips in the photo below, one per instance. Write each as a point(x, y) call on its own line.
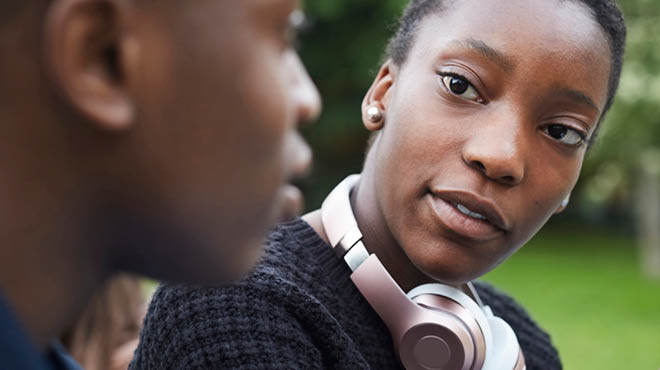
point(467, 217)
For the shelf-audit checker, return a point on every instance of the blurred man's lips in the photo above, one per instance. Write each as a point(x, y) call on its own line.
point(302, 162)
point(292, 202)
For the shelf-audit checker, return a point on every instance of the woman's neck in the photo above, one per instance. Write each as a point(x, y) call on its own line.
point(379, 240)
point(376, 236)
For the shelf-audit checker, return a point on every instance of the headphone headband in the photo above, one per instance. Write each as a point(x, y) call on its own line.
point(338, 219)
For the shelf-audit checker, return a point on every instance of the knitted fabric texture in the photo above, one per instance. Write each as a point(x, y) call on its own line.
point(297, 310)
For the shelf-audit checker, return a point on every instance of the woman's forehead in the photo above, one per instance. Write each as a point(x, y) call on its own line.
point(551, 22)
point(520, 37)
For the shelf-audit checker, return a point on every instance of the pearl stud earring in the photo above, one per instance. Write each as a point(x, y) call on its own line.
point(374, 114)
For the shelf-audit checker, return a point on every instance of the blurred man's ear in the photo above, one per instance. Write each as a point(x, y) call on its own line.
point(91, 57)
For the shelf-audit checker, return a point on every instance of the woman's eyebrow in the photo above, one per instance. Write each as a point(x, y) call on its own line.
point(576, 96)
point(497, 57)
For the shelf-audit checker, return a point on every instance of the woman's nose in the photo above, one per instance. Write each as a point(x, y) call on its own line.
point(496, 150)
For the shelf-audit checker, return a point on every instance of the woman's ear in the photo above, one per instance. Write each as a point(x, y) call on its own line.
point(91, 57)
point(374, 105)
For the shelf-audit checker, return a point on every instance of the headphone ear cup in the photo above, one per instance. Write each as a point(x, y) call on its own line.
point(462, 320)
point(506, 350)
point(425, 339)
point(463, 300)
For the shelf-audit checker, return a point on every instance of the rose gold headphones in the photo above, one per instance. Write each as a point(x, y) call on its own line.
point(434, 326)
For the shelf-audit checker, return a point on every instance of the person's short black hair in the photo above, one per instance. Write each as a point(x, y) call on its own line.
point(605, 12)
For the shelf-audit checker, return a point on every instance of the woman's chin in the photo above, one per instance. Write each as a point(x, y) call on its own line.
point(452, 271)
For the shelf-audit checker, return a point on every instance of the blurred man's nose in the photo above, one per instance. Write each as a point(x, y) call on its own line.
point(305, 94)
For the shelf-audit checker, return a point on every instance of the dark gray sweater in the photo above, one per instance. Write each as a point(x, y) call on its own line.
point(297, 310)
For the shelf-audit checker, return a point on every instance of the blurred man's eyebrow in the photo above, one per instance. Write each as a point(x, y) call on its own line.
point(278, 5)
point(291, 3)
point(576, 96)
point(497, 57)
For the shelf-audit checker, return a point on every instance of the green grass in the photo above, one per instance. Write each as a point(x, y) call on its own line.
point(586, 290)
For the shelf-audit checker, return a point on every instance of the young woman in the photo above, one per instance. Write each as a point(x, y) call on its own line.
point(482, 116)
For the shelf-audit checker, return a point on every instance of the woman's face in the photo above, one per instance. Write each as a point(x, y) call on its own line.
point(485, 129)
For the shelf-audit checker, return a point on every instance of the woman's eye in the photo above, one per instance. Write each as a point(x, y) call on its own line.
point(565, 134)
point(461, 87)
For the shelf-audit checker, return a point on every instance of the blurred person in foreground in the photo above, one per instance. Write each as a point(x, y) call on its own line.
point(153, 137)
point(482, 115)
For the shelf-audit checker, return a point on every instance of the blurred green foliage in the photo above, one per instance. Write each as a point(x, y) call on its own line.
point(633, 125)
point(343, 50)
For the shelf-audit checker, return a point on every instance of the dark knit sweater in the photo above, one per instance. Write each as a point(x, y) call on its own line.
point(297, 310)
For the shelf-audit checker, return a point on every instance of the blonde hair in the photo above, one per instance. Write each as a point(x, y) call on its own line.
point(106, 334)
